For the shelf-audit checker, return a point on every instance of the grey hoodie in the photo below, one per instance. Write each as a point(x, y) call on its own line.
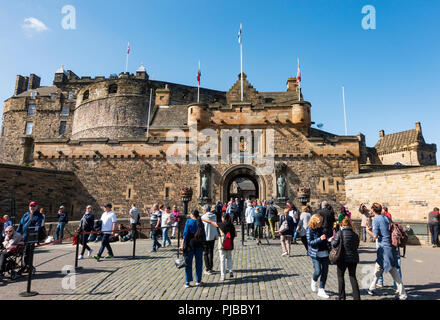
point(210, 231)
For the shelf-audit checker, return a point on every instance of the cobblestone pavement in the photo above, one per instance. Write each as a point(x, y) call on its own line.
point(260, 273)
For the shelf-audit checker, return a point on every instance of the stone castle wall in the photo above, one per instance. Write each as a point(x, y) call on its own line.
point(410, 194)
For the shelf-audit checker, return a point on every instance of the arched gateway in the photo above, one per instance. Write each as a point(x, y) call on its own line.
point(239, 174)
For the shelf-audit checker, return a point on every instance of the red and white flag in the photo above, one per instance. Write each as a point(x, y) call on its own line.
point(128, 48)
point(298, 76)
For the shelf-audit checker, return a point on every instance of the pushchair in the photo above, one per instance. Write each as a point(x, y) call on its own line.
point(14, 264)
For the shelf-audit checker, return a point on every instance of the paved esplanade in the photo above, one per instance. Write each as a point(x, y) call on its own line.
point(260, 273)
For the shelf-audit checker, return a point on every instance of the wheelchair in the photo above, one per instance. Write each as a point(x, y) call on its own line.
point(14, 263)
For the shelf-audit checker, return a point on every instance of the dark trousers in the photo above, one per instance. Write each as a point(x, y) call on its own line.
point(304, 241)
point(341, 267)
point(133, 231)
point(3, 255)
point(105, 244)
point(250, 226)
point(208, 254)
point(84, 238)
point(433, 228)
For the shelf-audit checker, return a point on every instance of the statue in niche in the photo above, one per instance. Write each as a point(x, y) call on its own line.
point(281, 183)
point(205, 186)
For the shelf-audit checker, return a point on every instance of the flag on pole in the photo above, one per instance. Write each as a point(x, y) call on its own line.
point(128, 48)
point(198, 74)
point(239, 34)
point(298, 75)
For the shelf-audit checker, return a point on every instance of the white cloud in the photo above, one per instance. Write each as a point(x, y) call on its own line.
point(33, 24)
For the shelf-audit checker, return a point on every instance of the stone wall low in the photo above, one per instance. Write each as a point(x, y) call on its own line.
point(410, 194)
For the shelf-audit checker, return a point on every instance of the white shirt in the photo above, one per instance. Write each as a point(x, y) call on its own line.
point(164, 219)
point(108, 218)
point(249, 214)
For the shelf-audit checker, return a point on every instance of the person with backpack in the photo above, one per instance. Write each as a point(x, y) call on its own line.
point(272, 215)
point(286, 229)
point(386, 254)
point(433, 224)
point(225, 244)
point(349, 257)
point(192, 246)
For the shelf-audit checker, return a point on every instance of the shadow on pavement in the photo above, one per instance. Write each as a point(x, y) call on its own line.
point(417, 292)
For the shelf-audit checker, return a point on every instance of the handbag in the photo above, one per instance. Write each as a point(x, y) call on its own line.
point(336, 253)
point(181, 262)
point(284, 226)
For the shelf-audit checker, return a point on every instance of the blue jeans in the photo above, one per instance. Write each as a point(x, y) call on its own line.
point(321, 269)
point(154, 238)
point(105, 244)
point(165, 237)
point(399, 269)
point(364, 234)
point(198, 253)
point(60, 230)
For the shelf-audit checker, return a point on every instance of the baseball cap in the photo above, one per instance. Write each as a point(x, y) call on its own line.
point(32, 203)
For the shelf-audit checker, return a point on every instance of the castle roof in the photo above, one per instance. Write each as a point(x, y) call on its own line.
point(175, 116)
point(396, 142)
point(42, 91)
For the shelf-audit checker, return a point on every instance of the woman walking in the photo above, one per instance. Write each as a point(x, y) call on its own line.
point(258, 225)
point(249, 214)
point(349, 257)
point(318, 251)
point(226, 227)
point(287, 229)
point(86, 225)
point(166, 220)
point(192, 246)
point(176, 214)
point(304, 219)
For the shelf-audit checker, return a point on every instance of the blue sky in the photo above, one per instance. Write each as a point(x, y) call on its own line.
point(390, 74)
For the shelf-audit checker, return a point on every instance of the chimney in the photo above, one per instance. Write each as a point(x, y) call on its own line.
point(34, 81)
point(291, 84)
point(418, 127)
point(163, 96)
point(381, 133)
point(21, 84)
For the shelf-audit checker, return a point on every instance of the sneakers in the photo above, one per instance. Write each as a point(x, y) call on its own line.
point(96, 257)
point(89, 254)
point(403, 297)
point(313, 286)
point(322, 294)
point(222, 277)
point(159, 246)
point(153, 250)
point(187, 285)
point(231, 274)
point(284, 254)
point(370, 292)
point(207, 272)
point(198, 284)
point(379, 285)
point(80, 257)
point(109, 256)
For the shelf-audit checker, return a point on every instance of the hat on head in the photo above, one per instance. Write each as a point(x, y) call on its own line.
point(32, 203)
point(61, 207)
point(108, 205)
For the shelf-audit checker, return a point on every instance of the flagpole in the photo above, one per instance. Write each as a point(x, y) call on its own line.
point(149, 108)
point(345, 116)
point(126, 62)
point(198, 85)
point(241, 62)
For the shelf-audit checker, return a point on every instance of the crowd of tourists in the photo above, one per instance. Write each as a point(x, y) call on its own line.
point(324, 234)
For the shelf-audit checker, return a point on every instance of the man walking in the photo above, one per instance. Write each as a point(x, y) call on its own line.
point(134, 220)
point(155, 222)
point(433, 224)
point(211, 235)
point(386, 254)
point(272, 215)
point(62, 221)
point(108, 230)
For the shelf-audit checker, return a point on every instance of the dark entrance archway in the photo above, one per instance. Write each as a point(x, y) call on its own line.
point(243, 186)
point(244, 175)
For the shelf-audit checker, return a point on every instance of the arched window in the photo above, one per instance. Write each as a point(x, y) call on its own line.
point(86, 95)
point(113, 88)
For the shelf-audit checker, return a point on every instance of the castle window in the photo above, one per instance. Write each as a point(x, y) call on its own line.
point(63, 125)
point(167, 193)
point(70, 95)
point(86, 95)
point(65, 111)
point(34, 94)
point(337, 186)
point(113, 88)
point(230, 145)
point(430, 156)
point(29, 126)
point(323, 185)
point(31, 110)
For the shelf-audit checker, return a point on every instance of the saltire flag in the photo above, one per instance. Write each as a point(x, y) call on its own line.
point(198, 74)
point(239, 34)
point(298, 76)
